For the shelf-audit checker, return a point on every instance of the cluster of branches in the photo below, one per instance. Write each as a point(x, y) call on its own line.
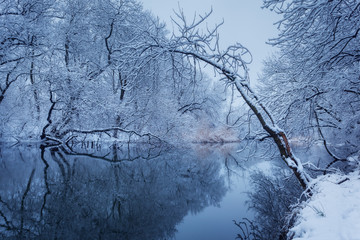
point(325, 32)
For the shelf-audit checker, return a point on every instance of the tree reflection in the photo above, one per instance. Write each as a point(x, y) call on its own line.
point(271, 198)
point(52, 195)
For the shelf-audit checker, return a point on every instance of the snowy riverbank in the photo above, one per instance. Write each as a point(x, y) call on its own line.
point(333, 212)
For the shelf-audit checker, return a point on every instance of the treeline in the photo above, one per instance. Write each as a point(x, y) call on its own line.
point(76, 65)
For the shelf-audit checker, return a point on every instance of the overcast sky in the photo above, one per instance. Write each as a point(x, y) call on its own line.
point(244, 22)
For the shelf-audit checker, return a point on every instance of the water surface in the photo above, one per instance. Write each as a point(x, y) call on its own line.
point(122, 192)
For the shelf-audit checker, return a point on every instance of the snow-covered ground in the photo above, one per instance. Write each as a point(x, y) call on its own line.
point(333, 212)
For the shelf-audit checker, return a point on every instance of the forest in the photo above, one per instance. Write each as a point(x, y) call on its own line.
point(91, 71)
point(70, 66)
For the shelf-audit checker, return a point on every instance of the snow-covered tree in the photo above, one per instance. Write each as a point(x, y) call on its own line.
point(312, 84)
point(193, 44)
point(76, 65)
point(23, 36)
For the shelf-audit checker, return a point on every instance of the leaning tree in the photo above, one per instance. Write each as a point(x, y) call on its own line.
point(198, 46)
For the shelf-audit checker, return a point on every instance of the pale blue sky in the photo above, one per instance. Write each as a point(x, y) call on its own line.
point(244, 22)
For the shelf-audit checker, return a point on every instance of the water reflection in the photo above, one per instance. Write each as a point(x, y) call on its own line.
point(47, 193)
point(271, 199)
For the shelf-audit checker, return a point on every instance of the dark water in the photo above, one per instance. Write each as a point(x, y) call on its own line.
point(123, 192)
